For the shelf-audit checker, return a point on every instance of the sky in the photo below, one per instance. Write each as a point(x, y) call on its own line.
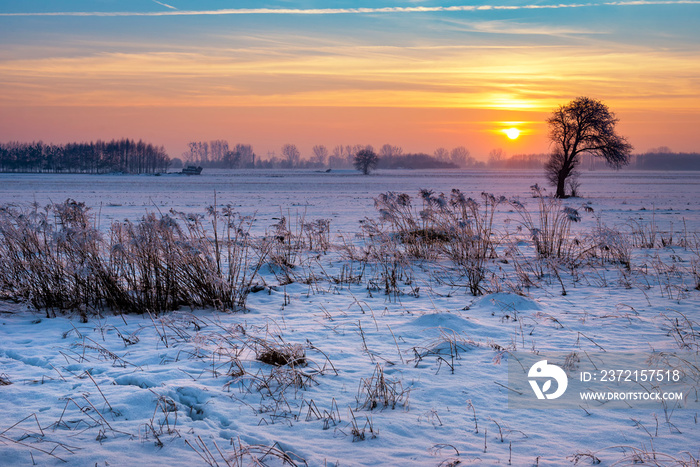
point(415, 74)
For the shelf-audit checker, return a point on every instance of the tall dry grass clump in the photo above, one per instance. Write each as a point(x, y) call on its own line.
point(409, 227)
point(612, 245)
point(177, 260)
point(458, 228)
point(56, 259)
point(51, 257)
point(472, 239)
point(550, 229)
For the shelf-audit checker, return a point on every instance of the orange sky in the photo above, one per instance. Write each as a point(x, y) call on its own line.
point(412, 79)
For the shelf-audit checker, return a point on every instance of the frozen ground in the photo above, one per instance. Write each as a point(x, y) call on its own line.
point(185, 388)
point(341, 196)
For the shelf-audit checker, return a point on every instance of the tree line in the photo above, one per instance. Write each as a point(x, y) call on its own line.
point(221, 154)
point(124, 155)
point(130, 156)
point(655, 159)
point(664, 159)
point(218, 154)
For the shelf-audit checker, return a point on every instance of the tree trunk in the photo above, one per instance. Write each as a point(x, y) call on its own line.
point(561, 183)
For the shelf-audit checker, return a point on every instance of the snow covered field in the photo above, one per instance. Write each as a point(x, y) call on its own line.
point(418, 376)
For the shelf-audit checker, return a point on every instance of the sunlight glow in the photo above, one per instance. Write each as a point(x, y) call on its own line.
point(512, 133)
point(460, 76)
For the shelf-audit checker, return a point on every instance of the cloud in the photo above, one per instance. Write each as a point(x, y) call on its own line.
point(513, 27)
point(165, 5)
point(337, 11)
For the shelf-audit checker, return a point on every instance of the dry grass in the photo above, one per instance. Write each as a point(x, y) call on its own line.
point(56, 259)
point(632, 455)
point(611, 245)
point(550, 230)
point(454, 227)
point(359, 432)
point(447, 348)
point(50, 257)
point(683, 330)
point(267, 365)
point(378, 391)
point(279, 354)
point(244, 454)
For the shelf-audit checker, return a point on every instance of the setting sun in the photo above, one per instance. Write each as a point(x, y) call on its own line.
point(512, 133)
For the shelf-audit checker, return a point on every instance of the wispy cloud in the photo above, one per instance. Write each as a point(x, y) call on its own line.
point(337, 11)
point(165, 5)
point(512, 27)
point(462, 77)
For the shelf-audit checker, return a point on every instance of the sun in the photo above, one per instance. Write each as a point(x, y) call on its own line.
point(512, 133)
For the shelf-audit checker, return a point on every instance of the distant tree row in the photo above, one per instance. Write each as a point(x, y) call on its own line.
point(124, 155)
point(663, 159)
point(218, 154)
point(655, 159)
point(414, 161)
point(341, 157)
point(130, 156)
point(498, 160)
point(458, 156)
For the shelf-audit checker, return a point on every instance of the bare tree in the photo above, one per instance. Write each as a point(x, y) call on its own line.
point(350, 153)
point(232, 159)
point(389, 151)
point(192, 154)
point(337, 157)
point(496, 157)
point(245, 156)
point(292, 154)
point(584, 125)
point(320, 154)
point(365, 160)
point(217, 150)
point(660, 150)
point(202, 152)
point(460, 156)
point(442, 154)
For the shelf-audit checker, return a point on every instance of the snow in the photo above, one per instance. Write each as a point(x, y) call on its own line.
point(186, 389)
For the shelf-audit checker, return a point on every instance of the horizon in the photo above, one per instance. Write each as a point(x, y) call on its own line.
point(419, 75)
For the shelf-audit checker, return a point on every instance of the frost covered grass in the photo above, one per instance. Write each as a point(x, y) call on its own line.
point(550, 225)
point(456, 226)
point(58, 260)
point(352, 345)
point(457, 237)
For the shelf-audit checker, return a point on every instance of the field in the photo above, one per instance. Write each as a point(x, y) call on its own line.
point(369, 334)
